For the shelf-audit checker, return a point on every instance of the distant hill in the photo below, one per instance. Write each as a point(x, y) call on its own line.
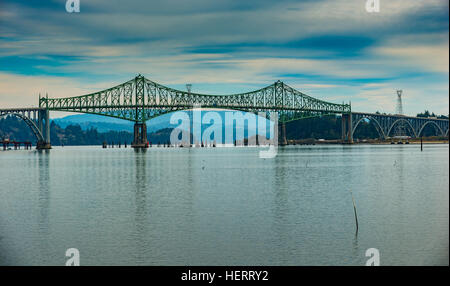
point(101, 123)
point(106, 124)
point(89, 129)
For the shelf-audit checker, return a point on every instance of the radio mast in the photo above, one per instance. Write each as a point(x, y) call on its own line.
point(400, 131)
point(399, 108)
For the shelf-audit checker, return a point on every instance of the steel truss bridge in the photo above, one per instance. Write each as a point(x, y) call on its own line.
point(141, 99)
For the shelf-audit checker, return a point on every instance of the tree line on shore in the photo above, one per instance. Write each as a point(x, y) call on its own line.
point(15, 129)
point(325, 127)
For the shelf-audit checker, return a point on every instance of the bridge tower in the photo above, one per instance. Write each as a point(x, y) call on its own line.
point(44, 127)
point(140, 127)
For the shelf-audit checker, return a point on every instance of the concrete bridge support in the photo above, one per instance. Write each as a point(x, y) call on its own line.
point(347, 130)
point(140, 136)
point(282, 141)
point(44, 128)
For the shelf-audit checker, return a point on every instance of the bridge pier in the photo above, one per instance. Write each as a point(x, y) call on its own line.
point(347, 134)
point(44, 128)
point(140, 136)
point(282, 141)
point(41, 145)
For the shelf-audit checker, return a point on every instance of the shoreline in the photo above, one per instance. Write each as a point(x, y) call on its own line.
point(410, 143)
point(367, 142)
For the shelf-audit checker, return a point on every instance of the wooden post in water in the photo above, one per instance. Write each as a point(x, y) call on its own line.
point(421, 144)
point(354, 209)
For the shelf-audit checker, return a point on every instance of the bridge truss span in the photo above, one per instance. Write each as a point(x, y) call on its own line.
point(141, 99)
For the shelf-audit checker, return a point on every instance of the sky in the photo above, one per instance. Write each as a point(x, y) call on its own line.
point(333, 50)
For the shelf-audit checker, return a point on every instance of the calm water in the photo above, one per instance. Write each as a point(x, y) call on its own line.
point(225, 206)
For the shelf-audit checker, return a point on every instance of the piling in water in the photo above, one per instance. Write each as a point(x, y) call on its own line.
point(354, 209)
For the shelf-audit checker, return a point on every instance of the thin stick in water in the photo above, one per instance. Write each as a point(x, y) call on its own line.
point(354, 209)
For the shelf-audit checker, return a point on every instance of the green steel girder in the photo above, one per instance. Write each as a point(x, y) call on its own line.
point(141, 99)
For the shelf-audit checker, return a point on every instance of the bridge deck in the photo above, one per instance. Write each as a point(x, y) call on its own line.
point(398, 116)
point(20, 109)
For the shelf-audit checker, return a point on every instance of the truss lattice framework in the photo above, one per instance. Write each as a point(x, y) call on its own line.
point(141, 99)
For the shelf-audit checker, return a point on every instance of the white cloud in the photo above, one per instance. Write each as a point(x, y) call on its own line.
point(118, 40)
point(432, 58)
point(23, 91)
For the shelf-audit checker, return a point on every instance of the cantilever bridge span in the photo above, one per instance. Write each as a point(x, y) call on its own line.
point(141, 99)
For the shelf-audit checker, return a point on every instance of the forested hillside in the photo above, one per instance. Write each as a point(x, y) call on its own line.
point(326, 127)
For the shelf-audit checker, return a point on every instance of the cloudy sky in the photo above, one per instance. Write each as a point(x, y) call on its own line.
point(330, 49)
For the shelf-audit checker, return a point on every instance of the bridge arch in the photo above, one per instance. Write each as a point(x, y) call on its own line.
point(34, 128)
point(398, 121)
point(374, 122)
point(435, 124)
